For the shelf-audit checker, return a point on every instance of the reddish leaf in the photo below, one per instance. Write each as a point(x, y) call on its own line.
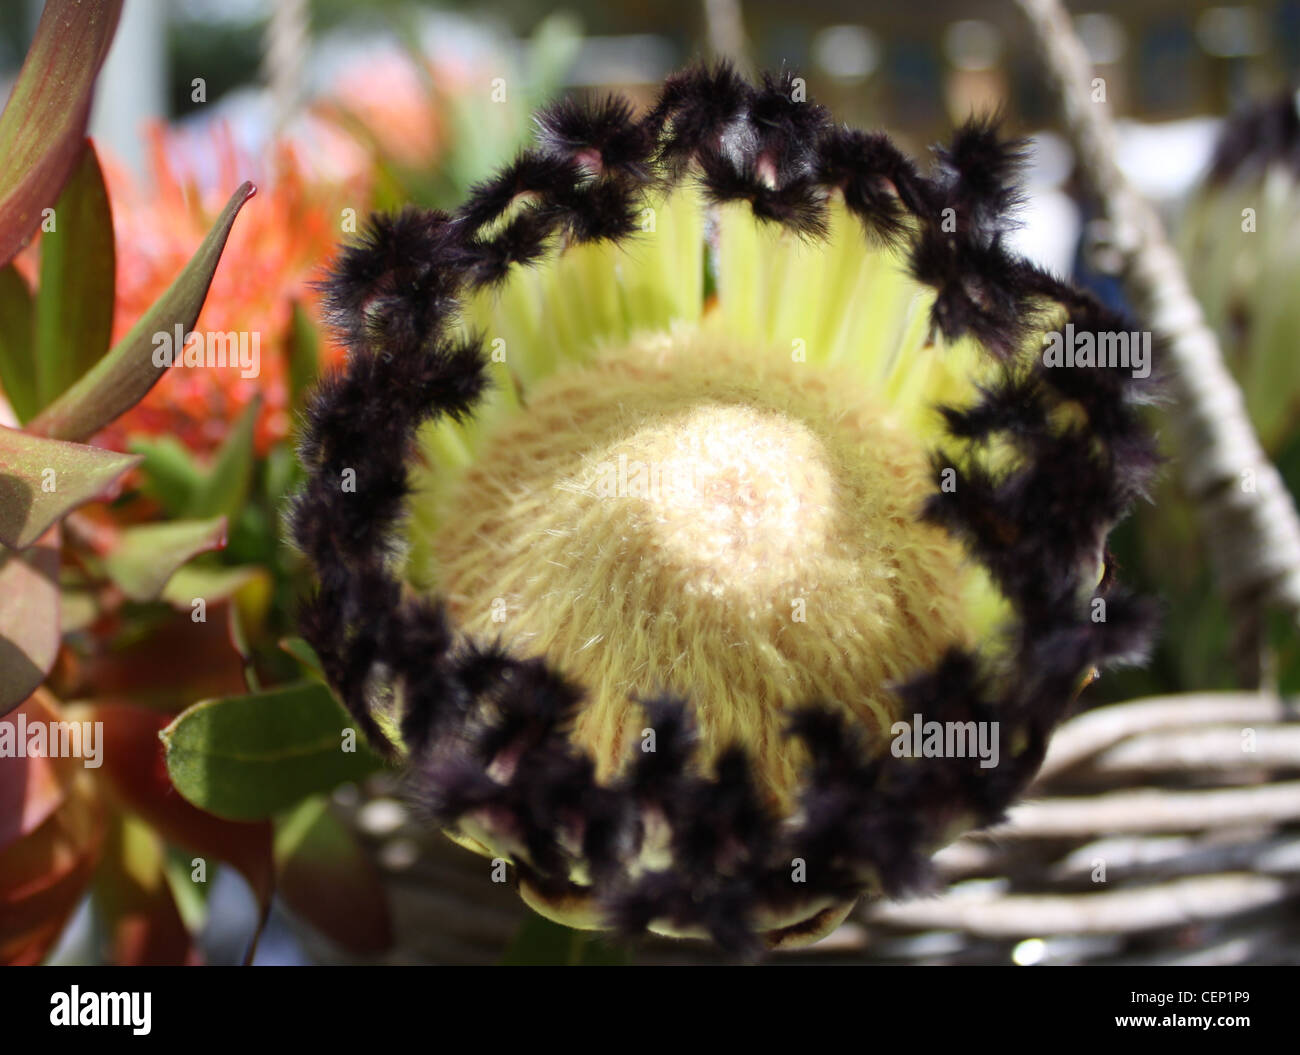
point(177, 663)
point(44, 122)
point(44, 874)
point(42, 480)
point(31, 789)
point(30, 949)
point(29, 618)
point(326, 879)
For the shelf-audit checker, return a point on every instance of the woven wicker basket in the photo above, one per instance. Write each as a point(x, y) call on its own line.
point(1160, 831)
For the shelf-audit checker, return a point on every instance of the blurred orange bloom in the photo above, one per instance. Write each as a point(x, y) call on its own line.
point(280, 244)
point(391, 107)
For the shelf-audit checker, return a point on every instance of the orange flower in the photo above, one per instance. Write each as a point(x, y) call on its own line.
point(275, 251)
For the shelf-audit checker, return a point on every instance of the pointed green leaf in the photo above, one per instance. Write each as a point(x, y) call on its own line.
point(171, 474)
point(74, 301)
point(43, 480)
point(44, 121)
point(29, 618)
point(225, 488)
point(121, 378)
point(211, 584)
point(249, 757)
point(304, 654)
point(191, 897)
point(17, 338)
point(282, 475)
point(146, 557)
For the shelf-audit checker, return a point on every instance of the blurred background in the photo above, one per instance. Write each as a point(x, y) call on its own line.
point(914, 69)
point(336, 108)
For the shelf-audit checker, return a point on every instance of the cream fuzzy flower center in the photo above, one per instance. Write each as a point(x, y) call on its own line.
point(715, 521)
point(733, 493)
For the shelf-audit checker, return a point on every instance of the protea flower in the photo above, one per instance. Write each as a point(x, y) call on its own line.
point(681, 475)
point(273, 260)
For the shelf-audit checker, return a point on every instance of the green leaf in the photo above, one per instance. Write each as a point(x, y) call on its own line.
point(1284, 651)
point(74, 302)
point(29, 618)
point(212, 584)
point(78, 610)
point(134, 901)
point(42, 480)
point(304, 355)
point(171, 474)
point(326, 879)
point(552, 50)
point(225, 488)
point(17, 336)
point(44, 123)
point(540, 942)
point(249, 757)
point(191, 897)
point(122, 378)
point(282, 474)
point(146, 557)
point(304, 654)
